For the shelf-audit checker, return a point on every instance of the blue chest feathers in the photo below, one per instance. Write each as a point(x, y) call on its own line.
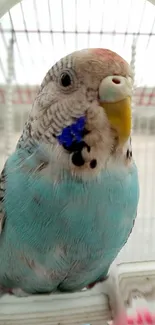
point(99, 213)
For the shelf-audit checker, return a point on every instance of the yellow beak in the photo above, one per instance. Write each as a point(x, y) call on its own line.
point(119, 115)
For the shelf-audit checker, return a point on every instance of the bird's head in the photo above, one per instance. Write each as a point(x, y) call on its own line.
point(82, 113)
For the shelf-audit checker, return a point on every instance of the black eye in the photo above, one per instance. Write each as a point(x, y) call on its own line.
point(65, 79)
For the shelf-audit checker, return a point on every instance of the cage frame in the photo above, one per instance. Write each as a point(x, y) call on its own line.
point(91, 306)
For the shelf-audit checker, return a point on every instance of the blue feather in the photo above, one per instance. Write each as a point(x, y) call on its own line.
point(72, 133)
point(63, 235)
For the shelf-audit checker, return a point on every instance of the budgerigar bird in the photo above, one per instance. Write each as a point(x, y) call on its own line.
point(69, 192)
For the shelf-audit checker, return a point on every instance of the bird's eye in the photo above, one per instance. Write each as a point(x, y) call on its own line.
point(65, 79)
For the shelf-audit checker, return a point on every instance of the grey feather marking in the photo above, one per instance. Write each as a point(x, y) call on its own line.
point(26, 135)
point(2, 193)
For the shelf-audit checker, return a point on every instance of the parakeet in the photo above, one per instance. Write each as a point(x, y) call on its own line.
point(69, 192)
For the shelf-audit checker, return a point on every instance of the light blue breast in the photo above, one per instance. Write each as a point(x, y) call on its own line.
point(70, 221)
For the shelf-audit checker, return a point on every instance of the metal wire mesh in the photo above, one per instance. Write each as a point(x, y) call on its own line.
point(45, 31)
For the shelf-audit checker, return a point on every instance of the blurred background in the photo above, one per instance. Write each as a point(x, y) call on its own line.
point(35, 34)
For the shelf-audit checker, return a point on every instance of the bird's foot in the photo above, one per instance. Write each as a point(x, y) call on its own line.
point(91, 285)
point(4, 290)
point(16, 292)
point(19, 292)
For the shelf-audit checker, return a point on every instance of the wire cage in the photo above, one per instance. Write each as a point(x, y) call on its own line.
point(35, 34)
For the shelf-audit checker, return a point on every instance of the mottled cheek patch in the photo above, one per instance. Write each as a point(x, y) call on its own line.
point(72, 133)
point(72, 140)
